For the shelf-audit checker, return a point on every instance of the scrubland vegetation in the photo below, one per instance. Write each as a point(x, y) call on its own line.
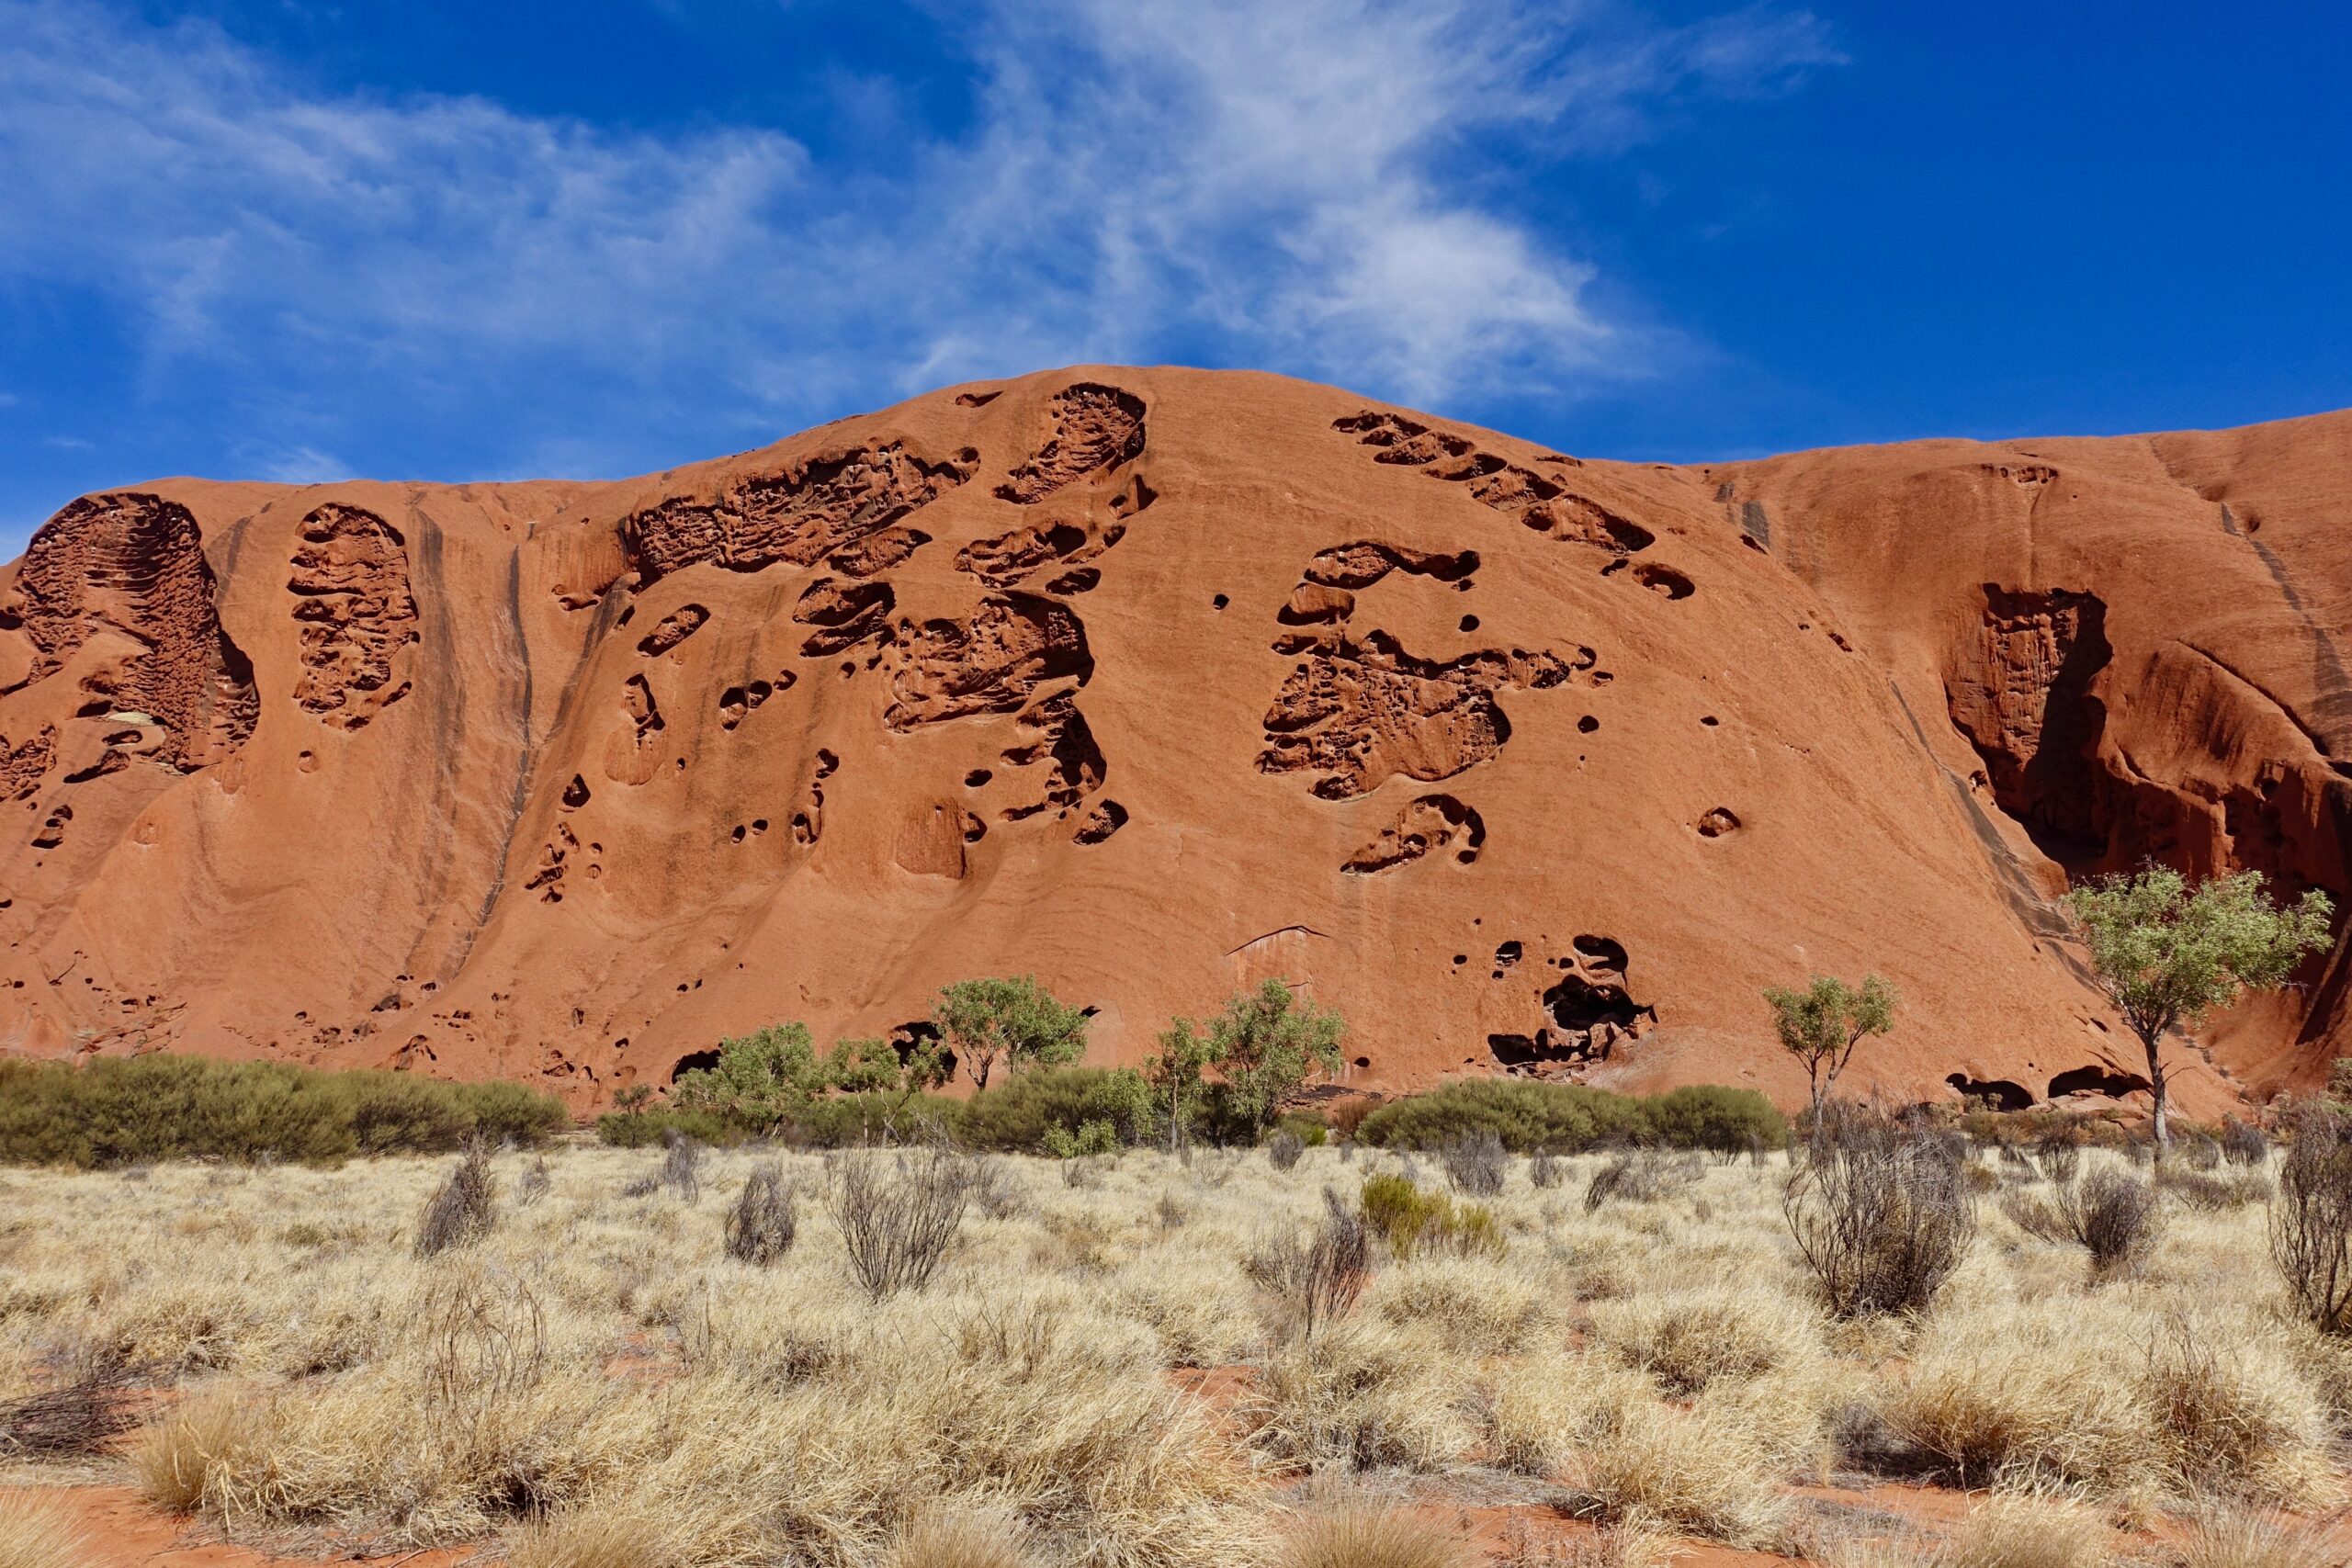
point(1347, 1356)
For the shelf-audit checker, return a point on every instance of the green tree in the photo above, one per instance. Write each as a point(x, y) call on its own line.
point(762, 1080)
point(1016, 1022)
point(2166, 954)
point(884, 1067)
point(1264, 1047)
point(1174, 1073)
point(1822, 1025)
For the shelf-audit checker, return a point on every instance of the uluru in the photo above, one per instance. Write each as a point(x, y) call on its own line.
point(1154, 683)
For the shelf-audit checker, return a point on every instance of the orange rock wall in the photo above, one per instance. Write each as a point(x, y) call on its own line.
point(1153, 684)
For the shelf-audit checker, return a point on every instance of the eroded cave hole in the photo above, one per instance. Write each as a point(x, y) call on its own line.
point(694, 1062)
point(2099, 1081)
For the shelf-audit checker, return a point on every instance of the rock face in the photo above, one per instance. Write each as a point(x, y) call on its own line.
point(1156, 682)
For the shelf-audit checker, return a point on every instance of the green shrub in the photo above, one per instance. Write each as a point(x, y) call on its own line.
point(642, 1129)
point(1096, 1137)
point(1016, 1113)
point(1413, 1221)
point(1710, 1116)
point(122, 1111)
point(1566, 1118)
point(1307, 1127)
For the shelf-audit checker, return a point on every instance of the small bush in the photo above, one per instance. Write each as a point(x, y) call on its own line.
point(465, 1208)
point(118, 1112)
point(1284, 1149)
point(1545, 1171)
point(1315, 1278)
point(681, 1167)
point(1413, 1223)
point(1640, 1178)
point(2215, 1194)
point(1014, 1115)
point(2311, 1219)
point(2243, 1143)
point(1091, 1141)
point(1881, 1213)
point(2198, 1151)
point(760, 1226)
point(1476, 1162)
point(897, 1212)
point(643, 1129)
point(2243, 1539)
point(534, 1184)
point(1569, 1117)
point(2112, 1216)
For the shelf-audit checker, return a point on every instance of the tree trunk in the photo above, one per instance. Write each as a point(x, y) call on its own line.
point(2156, 1091)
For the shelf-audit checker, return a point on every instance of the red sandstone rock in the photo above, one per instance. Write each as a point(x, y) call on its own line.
point(1153, 682)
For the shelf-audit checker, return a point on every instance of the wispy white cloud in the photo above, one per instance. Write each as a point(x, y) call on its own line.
point(1305, 184)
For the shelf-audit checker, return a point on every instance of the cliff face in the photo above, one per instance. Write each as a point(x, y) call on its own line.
point(1153, 684)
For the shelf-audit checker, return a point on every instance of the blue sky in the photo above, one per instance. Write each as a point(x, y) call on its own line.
point(463, 242)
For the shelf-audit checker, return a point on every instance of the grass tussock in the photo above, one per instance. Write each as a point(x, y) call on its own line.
point(1361, 1536)
point(36, 1533)
point(1139, 1371)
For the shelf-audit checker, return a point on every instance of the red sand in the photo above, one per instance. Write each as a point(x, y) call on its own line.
point(1154, 683)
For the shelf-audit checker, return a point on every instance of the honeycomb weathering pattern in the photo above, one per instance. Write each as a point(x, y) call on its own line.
point(1524, 762)
point(1365, 712)
point(133, 564)
point(356, 613)
point(1093, 427)
point(796, 514)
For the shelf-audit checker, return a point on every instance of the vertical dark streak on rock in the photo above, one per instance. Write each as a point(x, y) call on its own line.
point(2333, 719)
point(525, 753)
point(441, 668)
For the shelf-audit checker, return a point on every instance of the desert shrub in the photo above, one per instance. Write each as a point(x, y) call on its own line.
point(851, 1120)
point(1640, 1177)
point(993, 1191)
point(1881, 1213)
point(1412, 1222)
point(1091, 1141)
point(2059, 1159)
point(534, 1184)
point(1713, 1118)
point(1544, 1171)
point(464, 1208)
point(1014, 1115)
point(1567, 1118)
point(2214, 1194)
point(1284, 1149)
point(760, 1226)
point(1308, 1127)
point(642, 1129)
point(1363, 1537)
point(2311, 1219)
point(681, 1167)
point(1314, 1277)
point(2198, 1151)
point(897, 1212)
point(2243, 1143)
point(116, 1112)
point(2110, 1213)
point(36, 1533)
point(1476, 1162)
